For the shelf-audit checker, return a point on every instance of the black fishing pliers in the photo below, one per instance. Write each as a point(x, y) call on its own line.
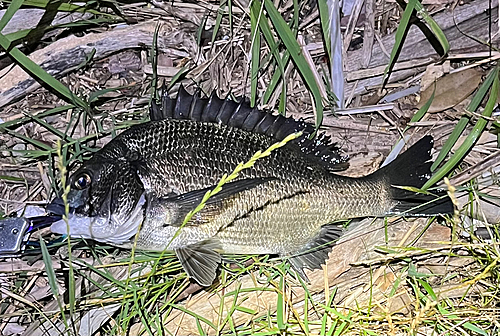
point(15, 232)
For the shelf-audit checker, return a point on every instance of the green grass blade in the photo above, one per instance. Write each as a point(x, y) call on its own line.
point(256, 8)
point(11, 178)
point(9, 13)
point(450, 142)
point(340, 329)
point(245, 310)
point(218, 20)
point(154, 62)
point(20, 121)
point(475, 329)
point(325, 26)
point(17, 37)
point(324, 319)
point(428, 289)
point(51, 128)
point(178, 76)
point(400, 36)
point(94, 95)
point(71, 280)
point(423, 110)
point(34, 142)
point(230, 11)
point(307, 298)
point(201, 318)
point(87, 61)
point(51, 275)
point(397, 282)
point(275, 80)
point(462, 123)
point(200, 328)
point(146, 323)
point(436, 30)
point(291, 44)
point(280, 305)
point(200, 30)
point(294, 23)
point(471, 138)
point(65, 7)
point(255, 52)
point(255, 61)
point(466, 325)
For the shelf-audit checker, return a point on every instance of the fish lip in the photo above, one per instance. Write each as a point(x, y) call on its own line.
point(75, 199)
point(56, 207)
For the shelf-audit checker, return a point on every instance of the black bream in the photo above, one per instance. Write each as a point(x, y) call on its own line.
point(150, 176)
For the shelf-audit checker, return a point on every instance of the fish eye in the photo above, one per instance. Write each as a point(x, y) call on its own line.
point(83, 181)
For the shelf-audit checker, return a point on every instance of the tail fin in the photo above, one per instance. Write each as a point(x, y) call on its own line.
point(412, 169)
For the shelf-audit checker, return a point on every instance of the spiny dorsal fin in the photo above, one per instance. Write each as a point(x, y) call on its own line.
point(241, 115)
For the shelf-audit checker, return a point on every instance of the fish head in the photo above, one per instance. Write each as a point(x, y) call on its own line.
point(106, 201)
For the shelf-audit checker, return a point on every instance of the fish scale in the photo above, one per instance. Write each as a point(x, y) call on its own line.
point(144, 182)
point(284, 226)
point(296, 176)
point(222, 155)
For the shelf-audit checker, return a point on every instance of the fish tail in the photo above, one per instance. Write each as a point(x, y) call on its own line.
point(412, 169)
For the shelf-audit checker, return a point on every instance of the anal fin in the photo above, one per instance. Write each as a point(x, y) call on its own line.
point(315, 253)
point(200, 261)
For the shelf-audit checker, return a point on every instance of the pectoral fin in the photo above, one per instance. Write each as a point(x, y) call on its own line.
point(214, 206)
point(193, 198)
point(200, 261)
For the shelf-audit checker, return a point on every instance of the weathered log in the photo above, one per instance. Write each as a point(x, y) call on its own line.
point(64, 55)
point(29, 18)
point(458, 25)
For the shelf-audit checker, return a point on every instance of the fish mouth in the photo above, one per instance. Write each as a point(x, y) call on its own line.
point(78, 224)
point(76, 201)
point(81, 226)
point(106, 229)
point(57, 207)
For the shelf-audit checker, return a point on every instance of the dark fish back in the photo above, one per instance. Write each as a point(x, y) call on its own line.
point(319, 149)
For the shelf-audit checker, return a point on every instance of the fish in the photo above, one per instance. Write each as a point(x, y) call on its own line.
point(138, 188)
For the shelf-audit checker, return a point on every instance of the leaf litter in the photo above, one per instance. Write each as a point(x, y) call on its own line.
point(385, 276)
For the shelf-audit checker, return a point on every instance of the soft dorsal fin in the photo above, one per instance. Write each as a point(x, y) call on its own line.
point(241, 115)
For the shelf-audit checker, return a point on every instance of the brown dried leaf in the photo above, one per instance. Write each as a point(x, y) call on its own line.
point(432, 73)
point(451, 89)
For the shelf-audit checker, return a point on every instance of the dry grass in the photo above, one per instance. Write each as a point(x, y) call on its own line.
point(389, 277)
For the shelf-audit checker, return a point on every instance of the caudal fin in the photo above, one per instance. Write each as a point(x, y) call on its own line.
point(412, 169)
